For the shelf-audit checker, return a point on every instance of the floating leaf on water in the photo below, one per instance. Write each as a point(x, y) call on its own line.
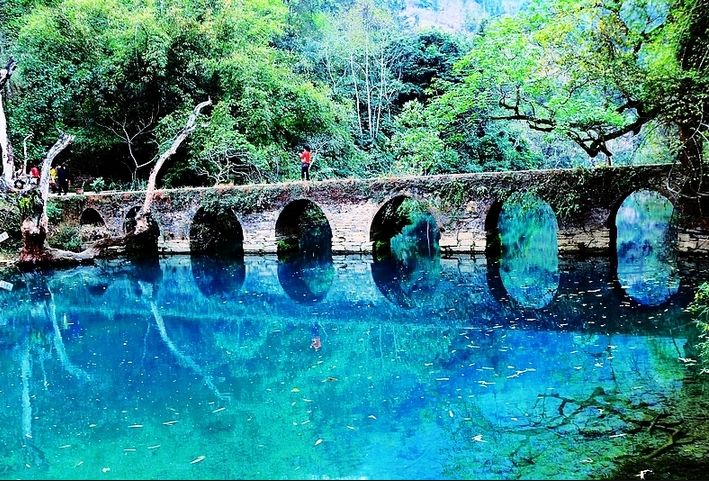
point(198, 459)
point(318, 442)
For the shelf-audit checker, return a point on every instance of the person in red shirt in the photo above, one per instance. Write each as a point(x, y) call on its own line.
point(306, 157)
point(34, 175)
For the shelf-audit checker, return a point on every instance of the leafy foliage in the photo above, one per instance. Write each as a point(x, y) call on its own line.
point(558, 84)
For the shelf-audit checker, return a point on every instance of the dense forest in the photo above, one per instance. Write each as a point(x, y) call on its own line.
point(376, 87)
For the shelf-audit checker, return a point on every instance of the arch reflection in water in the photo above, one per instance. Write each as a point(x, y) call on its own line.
point(306, 279)
point(646, 248)
point(218, 276)
point(529, 252)
point(406, 267)
point(407, 282)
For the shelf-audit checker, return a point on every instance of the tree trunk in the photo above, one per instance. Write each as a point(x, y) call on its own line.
point(34, 209)
point(143, 218)
point(8, 162)
point(35, 223)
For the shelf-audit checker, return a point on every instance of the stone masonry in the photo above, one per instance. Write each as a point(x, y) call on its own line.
point(585, 202)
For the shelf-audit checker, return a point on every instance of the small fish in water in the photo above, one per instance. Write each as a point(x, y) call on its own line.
point(198, 459)
point(218, 410)
point(318, 442)
point(135, 426)
point(329, 379)
point(169, 423)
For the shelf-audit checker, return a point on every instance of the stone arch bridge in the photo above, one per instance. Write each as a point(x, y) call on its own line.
point(584, 200)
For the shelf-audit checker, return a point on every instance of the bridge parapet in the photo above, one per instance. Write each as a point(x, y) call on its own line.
point(584, 200)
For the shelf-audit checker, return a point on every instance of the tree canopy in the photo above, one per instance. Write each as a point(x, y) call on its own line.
point(558, 83)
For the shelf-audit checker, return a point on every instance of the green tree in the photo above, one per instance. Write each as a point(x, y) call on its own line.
point(592, 71)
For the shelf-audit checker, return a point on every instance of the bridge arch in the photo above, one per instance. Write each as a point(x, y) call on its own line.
point(216, 232)
point(398, 213)
point(92, 226)
point(612, 220)
point(91, 216)
point(522, 248)
point(644, 240)
point(303, 228)
point(150, 246)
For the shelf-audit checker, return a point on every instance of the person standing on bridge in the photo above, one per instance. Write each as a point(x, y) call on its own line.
point(306, 159)
point(63, 180)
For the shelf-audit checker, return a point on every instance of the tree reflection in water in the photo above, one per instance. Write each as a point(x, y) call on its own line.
point(646, 248)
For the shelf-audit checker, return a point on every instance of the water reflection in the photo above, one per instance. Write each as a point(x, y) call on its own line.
point(407, 282)
point(646, 248)
point(529, 263)
point(187, 386)
point(218, 276)
point(407, 264)
point(306, 279)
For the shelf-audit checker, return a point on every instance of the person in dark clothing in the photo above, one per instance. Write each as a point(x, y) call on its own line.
point(306, 158)
point(63, 180)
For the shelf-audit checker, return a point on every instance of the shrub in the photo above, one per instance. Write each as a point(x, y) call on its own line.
point(67, 237)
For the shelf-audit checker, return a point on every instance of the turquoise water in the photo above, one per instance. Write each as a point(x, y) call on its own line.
point(193, 368)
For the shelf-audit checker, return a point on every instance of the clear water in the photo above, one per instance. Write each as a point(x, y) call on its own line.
point(429, 368)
